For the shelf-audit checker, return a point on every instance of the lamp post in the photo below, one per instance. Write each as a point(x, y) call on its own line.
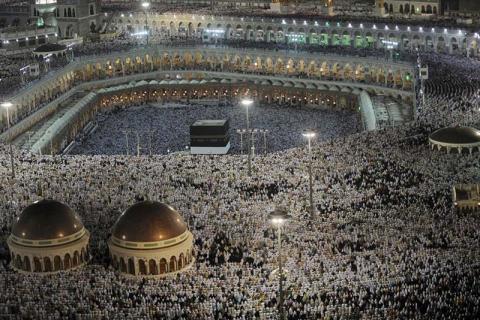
point(254, 131)
point(310, 135)
point(138, 143)
point(241, 132)
point(278, 217)
point(126, 140)
point(264, 140)
point(247, 103)
point(145, 6)
point(7, 106)
point(150, 133)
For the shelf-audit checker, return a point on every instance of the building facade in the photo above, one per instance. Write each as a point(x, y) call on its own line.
point(417, 8)
point(72, 17)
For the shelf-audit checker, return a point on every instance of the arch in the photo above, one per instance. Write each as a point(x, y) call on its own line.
point(163, 266)
point(142, 268)
point(47, 264)
point(115, 262)
point(181, 261)
point(173, 264)
point(83, 258)
point(429, 43)
point(131, 266)
point(18, 262)
point(123, 265)
point(67, 262)
point(454, 44)
point(37, 266)
point(429, 9)
point(152, 267)
point(26, 264)
point(57, 263)
point(76, 259)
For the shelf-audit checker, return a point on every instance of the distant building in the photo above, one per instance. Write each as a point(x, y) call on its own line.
point(403, 7)
point(461, 7)
point(15, 40)
point(72, 17)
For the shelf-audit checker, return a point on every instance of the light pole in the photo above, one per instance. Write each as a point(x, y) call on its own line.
point(264, 140)
point(138, 143)
point(254, 131)
point(145, 6)
point(241, 132)
point(310, 135)
point(126, 139)
point(150, 132)
point(278, 217)
point(7, 106)
point(247, 103)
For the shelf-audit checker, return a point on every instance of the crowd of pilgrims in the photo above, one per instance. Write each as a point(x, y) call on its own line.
point(385, 241)
point(160, 130)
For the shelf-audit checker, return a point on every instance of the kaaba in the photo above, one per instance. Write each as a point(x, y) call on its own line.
point(209, 137)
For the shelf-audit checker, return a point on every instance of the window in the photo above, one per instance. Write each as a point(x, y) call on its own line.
point(73, 12)
point(92, 10)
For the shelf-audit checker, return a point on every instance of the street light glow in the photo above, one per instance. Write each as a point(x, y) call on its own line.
point(309, 134)
point(146, 5)
point(278, 221)
point(247, 102)
point(7, 105)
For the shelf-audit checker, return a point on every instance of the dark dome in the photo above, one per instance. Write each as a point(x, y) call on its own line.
point(456, 135)
point(50, 47)
point(46, 219)
point(149, 221)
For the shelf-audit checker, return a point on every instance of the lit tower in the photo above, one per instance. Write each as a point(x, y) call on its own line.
point(45, 12)
point(330, 7)
point(380, 7)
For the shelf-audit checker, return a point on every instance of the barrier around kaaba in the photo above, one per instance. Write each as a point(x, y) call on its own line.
point(209, 137)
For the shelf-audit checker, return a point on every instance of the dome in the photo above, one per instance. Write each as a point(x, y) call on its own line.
point(149, 221)
point(46, 220)
point(456, 135)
